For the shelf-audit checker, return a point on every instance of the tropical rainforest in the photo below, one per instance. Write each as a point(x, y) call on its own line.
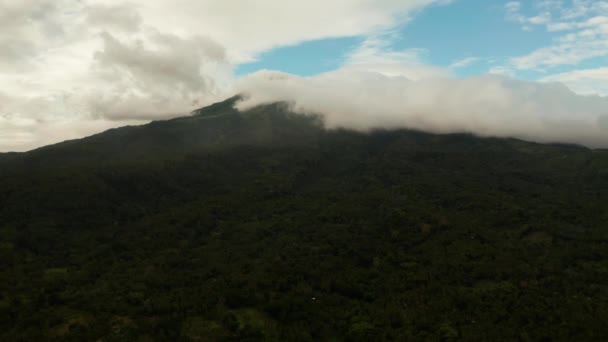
point(263, 226)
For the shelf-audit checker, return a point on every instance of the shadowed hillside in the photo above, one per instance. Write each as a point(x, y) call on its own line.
point(264, 226)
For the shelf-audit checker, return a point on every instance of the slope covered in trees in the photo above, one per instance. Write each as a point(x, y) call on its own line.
point(264, 226)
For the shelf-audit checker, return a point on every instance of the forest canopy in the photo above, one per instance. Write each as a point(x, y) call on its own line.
point(262, 225)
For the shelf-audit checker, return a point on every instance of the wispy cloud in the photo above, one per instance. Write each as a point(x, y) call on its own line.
point(585, 27)
point(376, 54)
point(463, 63)
point(514, 13)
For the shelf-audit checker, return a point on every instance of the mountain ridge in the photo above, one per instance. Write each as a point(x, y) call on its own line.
point(226, 107)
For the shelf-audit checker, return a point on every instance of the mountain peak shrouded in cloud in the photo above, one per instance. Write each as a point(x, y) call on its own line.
point(303, 170)
point(489, 105)
point(71, 68)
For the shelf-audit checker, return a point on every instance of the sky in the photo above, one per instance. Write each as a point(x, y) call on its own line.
point(536, 70)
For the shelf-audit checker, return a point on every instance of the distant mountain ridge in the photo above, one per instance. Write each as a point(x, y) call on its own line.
point(210, 126)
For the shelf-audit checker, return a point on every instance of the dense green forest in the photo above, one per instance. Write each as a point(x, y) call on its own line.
point(261, 225)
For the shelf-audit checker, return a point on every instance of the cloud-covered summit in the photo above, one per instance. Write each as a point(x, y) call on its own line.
point(488, 105)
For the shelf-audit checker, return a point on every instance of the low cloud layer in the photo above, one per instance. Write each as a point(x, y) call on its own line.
point(487, 105)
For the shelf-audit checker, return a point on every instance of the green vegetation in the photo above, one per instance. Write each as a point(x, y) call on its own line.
point(229, 226)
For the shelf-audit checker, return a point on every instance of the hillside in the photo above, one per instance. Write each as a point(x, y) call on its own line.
point(262, 225)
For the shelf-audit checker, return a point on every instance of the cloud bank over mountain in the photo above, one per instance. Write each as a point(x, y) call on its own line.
point(488, 105)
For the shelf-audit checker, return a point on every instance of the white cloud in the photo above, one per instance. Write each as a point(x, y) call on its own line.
point(582, 8)
point(119, 17)
point(463, 63)
point(501, 70)
point(486, 105)
point(585, 27)
point(155, 79)
point(514, 13)
point(375, 55)
point(587, 81)
point(29, 27)
point(554, 27)
point(543, 18)
point(513, 7)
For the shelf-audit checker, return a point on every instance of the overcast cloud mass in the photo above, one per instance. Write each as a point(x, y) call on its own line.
point(70, 68)
point(490, 105)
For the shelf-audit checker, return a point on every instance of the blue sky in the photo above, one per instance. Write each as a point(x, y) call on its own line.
point(484, 35)
point(305, 59)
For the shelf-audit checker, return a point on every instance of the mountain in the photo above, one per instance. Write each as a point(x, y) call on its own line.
point(262, 225)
